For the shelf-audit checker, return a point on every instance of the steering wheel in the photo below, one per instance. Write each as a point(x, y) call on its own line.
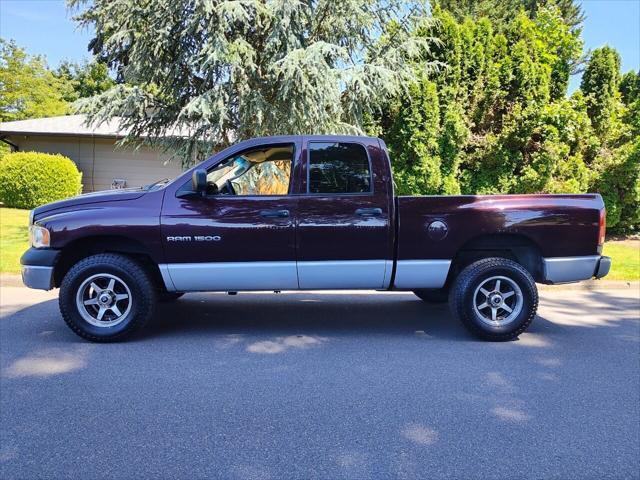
point(229, 186)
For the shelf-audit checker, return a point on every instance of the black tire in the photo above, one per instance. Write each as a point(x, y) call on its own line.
point(133, 282)
point(169, 296)
point(434, 295)
point(467, 290)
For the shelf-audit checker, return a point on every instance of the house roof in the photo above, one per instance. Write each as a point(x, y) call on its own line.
point(74, 125)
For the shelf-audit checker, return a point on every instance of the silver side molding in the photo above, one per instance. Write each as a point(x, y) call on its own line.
point(225, 276)
point(288, 275)
point(166, 277)
point(388, 271)
point(412, 274)
point(329, 274)
point(569, 269)
point(343, 274)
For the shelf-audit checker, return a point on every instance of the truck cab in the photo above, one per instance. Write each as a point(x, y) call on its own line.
point(305, 213)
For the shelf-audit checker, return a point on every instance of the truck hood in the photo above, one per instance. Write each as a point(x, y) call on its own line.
point(94, 197)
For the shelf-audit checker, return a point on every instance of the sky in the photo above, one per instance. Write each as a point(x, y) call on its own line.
point(45, 27)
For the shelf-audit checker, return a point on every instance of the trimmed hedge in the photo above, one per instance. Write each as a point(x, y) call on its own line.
point(31, 179)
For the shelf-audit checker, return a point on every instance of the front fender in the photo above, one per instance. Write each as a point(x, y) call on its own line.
point(137, 220)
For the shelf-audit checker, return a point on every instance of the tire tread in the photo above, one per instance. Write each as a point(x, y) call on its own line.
point(134, 269)
point(463, 283)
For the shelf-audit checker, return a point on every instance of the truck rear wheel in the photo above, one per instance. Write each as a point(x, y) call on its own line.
point(495, 299)
point(434, 295)
point(106, 297)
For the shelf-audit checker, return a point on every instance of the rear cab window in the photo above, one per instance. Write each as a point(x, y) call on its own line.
point(336, 168)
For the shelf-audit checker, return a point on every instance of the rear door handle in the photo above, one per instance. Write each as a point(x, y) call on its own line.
point(274, 213)
point(369, 212)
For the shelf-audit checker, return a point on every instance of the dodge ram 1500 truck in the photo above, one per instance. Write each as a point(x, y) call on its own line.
point(305, 213)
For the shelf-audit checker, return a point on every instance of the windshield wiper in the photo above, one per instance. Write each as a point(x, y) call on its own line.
point(155, 184)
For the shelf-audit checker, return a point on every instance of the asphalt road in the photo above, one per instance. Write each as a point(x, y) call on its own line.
point(318, 385)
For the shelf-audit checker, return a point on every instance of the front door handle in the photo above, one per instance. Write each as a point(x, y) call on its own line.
point(369, 212)
point(274, 213)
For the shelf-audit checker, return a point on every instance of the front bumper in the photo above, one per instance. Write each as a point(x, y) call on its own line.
point(40, 278)
point(38, 268)
point(575, 269)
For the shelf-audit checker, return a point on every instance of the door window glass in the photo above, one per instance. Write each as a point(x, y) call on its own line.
point(261, 171)
point(338, 168)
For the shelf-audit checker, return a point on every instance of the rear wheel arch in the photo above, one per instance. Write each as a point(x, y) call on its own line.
point(516, 247)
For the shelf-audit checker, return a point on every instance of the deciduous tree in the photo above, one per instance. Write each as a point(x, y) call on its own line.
point(86, 79)
point(28, 89)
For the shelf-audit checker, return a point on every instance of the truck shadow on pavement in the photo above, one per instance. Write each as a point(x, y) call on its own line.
point(339, 314)
point(363, 314)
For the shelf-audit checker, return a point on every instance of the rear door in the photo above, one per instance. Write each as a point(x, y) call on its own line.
point(241, 235)
point(344, 229)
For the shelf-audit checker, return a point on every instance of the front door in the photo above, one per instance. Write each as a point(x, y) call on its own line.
point(241, 235)
point(344, 232)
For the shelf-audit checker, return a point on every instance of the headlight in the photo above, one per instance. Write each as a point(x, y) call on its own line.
point(31, 218)
point(39, 236)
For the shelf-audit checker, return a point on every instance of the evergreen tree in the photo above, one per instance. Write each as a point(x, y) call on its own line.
point(413, 141)
point(617, 167)
point(229, 70)
point(600, 86)
point(571, 11)
point(495, 120)
point(630, 87)
point(497, 11)
point(501, 12)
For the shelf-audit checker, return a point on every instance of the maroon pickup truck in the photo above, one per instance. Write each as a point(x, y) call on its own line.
point(307, 213)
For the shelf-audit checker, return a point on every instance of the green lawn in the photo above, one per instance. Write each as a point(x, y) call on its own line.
point(13, 242)
point(14, 238)
point(625, 258)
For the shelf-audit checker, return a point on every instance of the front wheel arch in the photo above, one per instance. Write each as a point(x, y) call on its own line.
point(75, 251)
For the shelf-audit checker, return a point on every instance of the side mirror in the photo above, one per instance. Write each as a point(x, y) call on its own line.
point(199, 181)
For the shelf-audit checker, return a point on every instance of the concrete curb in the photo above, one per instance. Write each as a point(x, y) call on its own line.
point(595, 285)
point(13, 280)
point(10, 280)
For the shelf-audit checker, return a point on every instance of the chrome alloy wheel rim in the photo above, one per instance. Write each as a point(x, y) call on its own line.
point(497, 301)
point(104, 300)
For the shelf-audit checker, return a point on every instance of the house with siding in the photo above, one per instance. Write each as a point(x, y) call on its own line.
point(103, 164)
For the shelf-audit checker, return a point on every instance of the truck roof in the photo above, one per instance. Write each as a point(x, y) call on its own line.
point(291, 138)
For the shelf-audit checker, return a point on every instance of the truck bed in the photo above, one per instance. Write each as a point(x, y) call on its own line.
point(570, 222)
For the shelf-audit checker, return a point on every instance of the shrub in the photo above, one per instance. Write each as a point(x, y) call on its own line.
point(30, 179)
point(619, 184)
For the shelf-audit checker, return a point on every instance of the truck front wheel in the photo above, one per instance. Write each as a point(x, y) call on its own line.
point(106, 297)
point(495, 299)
